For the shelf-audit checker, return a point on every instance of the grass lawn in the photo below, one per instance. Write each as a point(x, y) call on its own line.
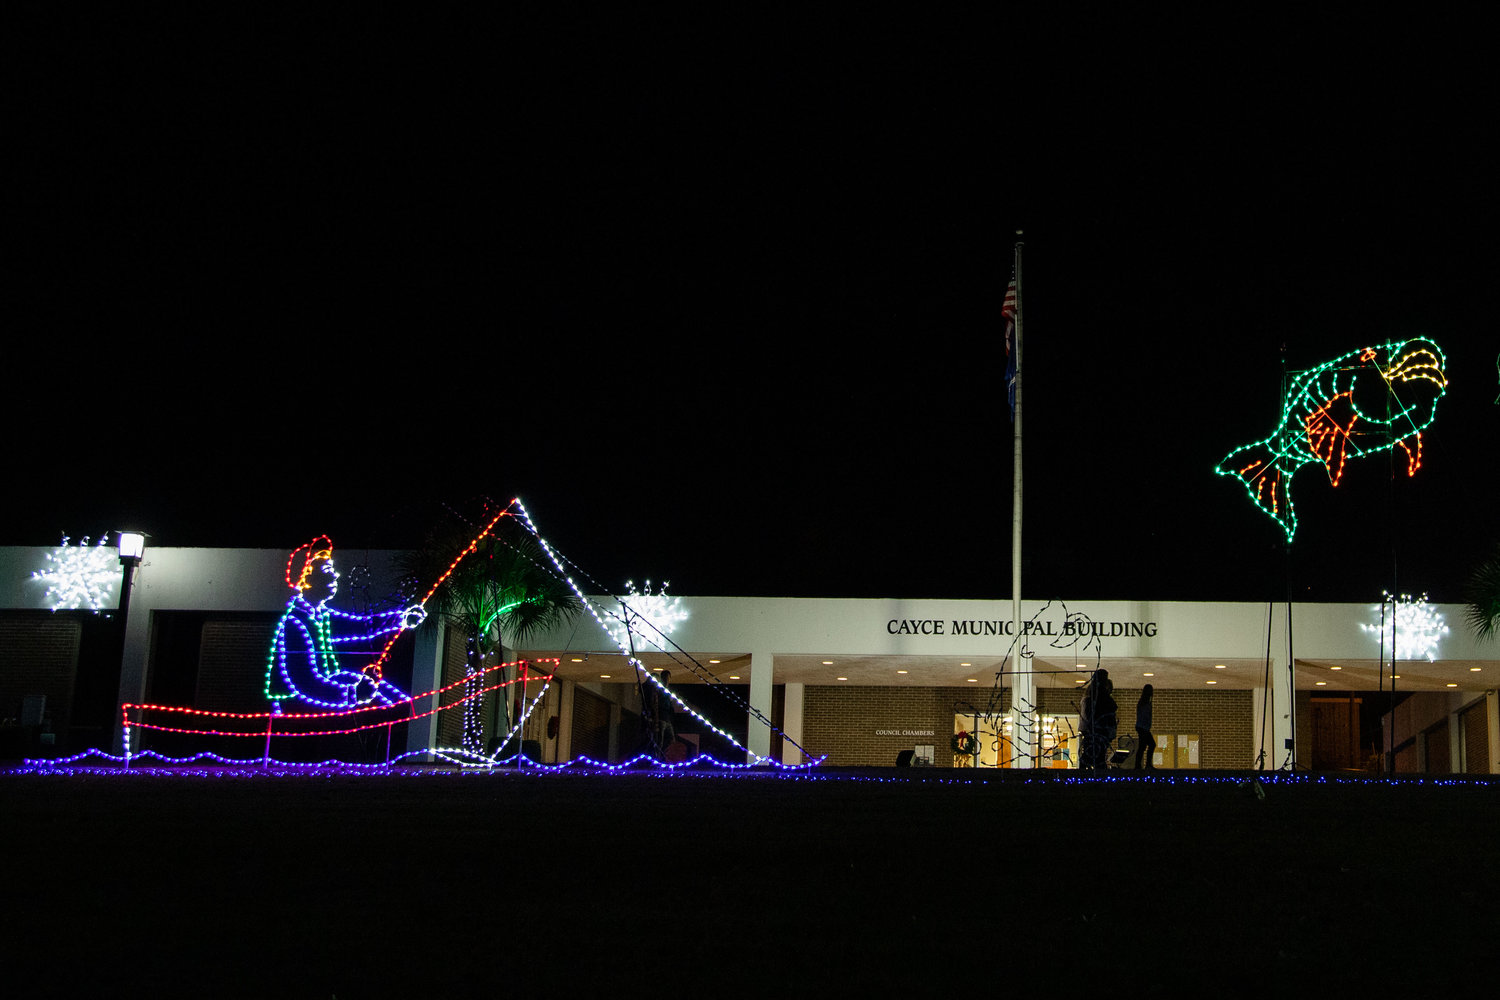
point(871, 882)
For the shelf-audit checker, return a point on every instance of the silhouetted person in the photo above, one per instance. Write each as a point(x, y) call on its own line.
point(1145, 743)
point(1086, 724)
point(1106, 720)
point(1098, 720)
point(664, 732)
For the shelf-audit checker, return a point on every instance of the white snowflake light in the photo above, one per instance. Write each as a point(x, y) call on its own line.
point(81, 576)
point(1418, 628)
point(653, 617)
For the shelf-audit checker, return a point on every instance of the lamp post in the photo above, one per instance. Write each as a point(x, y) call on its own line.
point(131, 546)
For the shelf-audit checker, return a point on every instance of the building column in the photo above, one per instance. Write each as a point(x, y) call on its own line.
point(1271, 740)
point(1026, 741)
point(426, 676)
point(758, 734)
point(1259, 740)
point(791, 723)
point(1492, 724)
point(1455, 743)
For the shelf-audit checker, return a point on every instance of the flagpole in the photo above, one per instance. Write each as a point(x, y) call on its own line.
point(1023, 686)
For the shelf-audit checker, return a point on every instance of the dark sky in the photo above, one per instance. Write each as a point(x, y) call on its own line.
point(720, 299)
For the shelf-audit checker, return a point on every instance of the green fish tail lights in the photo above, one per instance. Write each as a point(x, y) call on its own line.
point(1370, 401)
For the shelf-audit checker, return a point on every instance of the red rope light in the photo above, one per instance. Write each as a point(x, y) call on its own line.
point(267, 723)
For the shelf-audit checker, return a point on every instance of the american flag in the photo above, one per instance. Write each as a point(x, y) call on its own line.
point(1008, 313)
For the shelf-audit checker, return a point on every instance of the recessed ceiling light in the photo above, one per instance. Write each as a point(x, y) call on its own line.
point(1335, 668)
point(577, 659)
point(1321, 683)
point(1453, 685)
point(1218, 666)
point(1395, 677)
point(973, 680)
point(1148, 674)
point(1080, 681)
point(604, 677)
point(713, 661)
point(827, 663)
point(843, 678)
point(1475, 670)
point(734, 677)
point(1213, 682)
point(901, 671)
point(966, 664)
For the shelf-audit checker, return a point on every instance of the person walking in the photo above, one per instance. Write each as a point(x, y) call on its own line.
point(1145, 743)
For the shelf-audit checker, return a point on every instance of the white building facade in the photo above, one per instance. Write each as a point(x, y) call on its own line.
point(847, 682)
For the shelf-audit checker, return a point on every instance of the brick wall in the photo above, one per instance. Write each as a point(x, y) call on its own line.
point(846, 722)
point(232, 665)
point(39, 655)
point(590, 725)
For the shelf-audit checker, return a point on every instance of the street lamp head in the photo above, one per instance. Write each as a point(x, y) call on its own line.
point(132, 546)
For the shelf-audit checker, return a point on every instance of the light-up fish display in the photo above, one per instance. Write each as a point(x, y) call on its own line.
point(1366, 402)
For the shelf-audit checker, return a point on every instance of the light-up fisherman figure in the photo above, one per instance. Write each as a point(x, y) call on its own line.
point(302, 663)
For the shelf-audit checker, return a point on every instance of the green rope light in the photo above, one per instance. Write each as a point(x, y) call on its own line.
point(497, 613)
point(1369, 401)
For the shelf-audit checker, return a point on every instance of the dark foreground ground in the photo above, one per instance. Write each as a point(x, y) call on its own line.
point(870, 883)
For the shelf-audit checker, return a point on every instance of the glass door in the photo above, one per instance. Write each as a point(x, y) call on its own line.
point(990, 738)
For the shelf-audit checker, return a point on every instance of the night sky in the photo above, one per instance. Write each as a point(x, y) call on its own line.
point(719, 300)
